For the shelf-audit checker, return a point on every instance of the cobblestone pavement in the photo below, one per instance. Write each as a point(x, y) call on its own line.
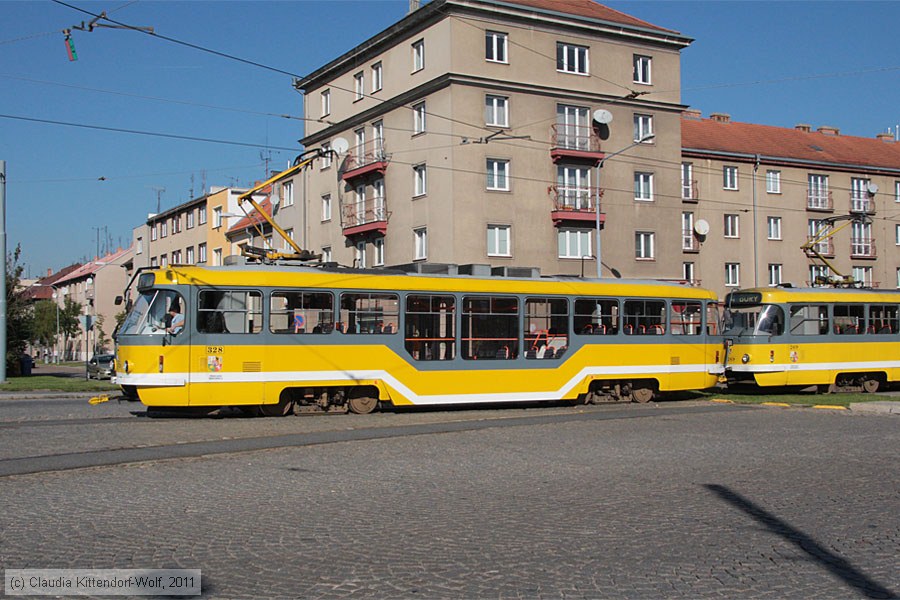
point(732, 502)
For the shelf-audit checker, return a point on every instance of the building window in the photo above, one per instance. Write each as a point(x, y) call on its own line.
point(201, 252)
point(217, 217)
point(285, 244)
point(139, 244)
point(498, 174)
point(378, 198)
point(643, 128)
point(378, 140)
point(861, 241)
point(163, 260)
point(496, 111)
point(154, 262)
point(420, 187)
point(360, 148)
point(326, 103)
point(574, 243)
point(495, 46)
point(217, 257)
point(732, 274)
point(687, 272)
point(573, 188)
point(498, 240)
point(189, 255)
point(360, 259)
point(326, 155)
point(573, 129)
point(643, 186)
point(818, 194)
point(421, 243)
point(644, 245)
point(688, 242)
point(378, 244)
point(897, 191)
point(863, 275)
point(418, 118)
point(418, 55)
point(287, 194)
point(897, 234)
point(377, 77)
point(359, 86)
point(730, 178)
point(642, 69)
point(201, 214)
point(774, 274)
point(732, 223)
point(773, 182)
point(326, 254)
point(176, 257)
point(571, 58)
point(687, 182)
point(176, 224)
point(326, 207)
point(190, 219)
point(774, 227)
point(859, 195)
point(818, 275)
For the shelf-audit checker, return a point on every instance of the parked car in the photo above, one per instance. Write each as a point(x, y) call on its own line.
point(101, 366)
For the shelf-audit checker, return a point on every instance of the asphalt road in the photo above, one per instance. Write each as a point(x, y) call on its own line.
point(669, 500)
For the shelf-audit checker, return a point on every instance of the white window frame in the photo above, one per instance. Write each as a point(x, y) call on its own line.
point(378, 139)
point(498, 174)
point(326, 207)
point(864, 275)
point(642, 69)
point(189, 255)
point(190, 219)
point(687, 271)
point(359, 259)
point(326, 155)
point(643, 127)
point(732, 226)
point(645, 245)
point(154, 233)
point(573, 187)
point(163, 260)
point(287, 194)
point(732, 274)
point(326, 254)
point(576, 64)
point(496, 110)
point(897, 233)
point(359, 86)
point(420, 238)
point(326, 102)
point(378, 245)
point(164, 229)
point(773, 181)
point(495, 47)
point(217, 257)
point(201, 214)
point(730, 177)
point(201, 252)
point(377, 77)
point(571, 243)
point(290, 236)
point(897, 191)
point(495, 241)
point(643, 186)
point(687, 231)
point(420, 180)
point(775, 274)
point(217, 217)
point(418, 55)
point(154, 262)
point(687, 181)
point(773, 225)
point(419, 114)
point(139, 245)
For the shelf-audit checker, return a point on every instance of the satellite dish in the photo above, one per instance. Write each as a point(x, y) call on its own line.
point(604, 117)
point(340, 145)
point(701, 227)
point(872, 188)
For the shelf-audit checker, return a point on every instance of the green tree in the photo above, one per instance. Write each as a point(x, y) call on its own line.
point(44, 331)
point(19, 316)
point(101, 341)
point(69, 325)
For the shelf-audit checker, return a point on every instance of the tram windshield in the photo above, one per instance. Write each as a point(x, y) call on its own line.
point(766, 319)
point(150, 313)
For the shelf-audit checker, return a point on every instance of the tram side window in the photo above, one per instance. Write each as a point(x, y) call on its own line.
point(490, 328)
point(301, 312)
point(687, 318)
point(363, 313)
point(596, 316)
point(849, 319)
point(883, 319)
point(229, 311)
point(546, 327)
point(644, 317)
point(430, 327)
point(713, 319)
point(809, 319)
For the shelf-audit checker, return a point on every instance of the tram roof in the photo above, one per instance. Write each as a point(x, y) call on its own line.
point(388, 279)
point(770, 295)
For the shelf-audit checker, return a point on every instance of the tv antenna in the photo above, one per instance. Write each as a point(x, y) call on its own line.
point(159, 191)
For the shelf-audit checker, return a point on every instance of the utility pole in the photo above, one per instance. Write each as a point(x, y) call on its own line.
point(3, 306)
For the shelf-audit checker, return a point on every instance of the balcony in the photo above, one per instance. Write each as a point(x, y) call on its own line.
point(819, 200)
point(363, 160)
point(861, 204)
point(825, 247)
point(361, 217)
point(862, 248)
point(574, 205)
point(570, 143)
point(689, 191)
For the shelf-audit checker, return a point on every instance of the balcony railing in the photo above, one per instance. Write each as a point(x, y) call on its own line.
point(367, 158)
point(574, 142)
point(825, 247)
point(689, 191)
point(861, 204)
point(862, 248)
point(574, 204)
point(819, 200)
point(364, 216)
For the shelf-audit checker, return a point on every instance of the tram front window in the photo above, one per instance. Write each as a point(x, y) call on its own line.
point(759, 320)
point(149, 313)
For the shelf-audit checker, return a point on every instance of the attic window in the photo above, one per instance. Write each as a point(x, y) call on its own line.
point(816, 148)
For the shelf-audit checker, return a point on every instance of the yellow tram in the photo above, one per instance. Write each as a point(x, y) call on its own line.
point(837, 339)
point(273, 337)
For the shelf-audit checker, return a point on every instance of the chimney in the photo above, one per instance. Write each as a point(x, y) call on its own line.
point(829, 130)
point(804, 127)
point(720, 117)
point(692, 113)
point(414, 5)
point(885, 137)
point(50, 271)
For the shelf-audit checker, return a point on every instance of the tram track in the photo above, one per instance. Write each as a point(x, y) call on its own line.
point(174, 451)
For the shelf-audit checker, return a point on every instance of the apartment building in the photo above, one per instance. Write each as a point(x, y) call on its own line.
point(473, 140)
point(762, 192)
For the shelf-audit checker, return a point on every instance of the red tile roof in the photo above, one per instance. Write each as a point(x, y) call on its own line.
point(780, 142)
point(95, 265)
point(254, 218)
point(590, 9)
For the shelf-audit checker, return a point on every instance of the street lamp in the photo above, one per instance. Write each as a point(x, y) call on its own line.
point(600, 164)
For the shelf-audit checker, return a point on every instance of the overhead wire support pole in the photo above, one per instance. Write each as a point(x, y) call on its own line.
point(3, 304)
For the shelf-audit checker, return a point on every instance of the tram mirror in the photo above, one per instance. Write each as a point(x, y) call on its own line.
point(118, 301)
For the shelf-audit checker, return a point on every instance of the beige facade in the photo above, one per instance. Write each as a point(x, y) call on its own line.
point(480, 145)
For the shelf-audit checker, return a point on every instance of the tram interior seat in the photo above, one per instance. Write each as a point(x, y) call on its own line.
point(389, 328)
point(503, 352)
point(886, 329)
point(549, 352)
point(215, 322)
point(531, 353)
point(600, 329)
point(561, 351)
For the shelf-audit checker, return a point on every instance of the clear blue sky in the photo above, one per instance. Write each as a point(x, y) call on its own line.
point(56, 201)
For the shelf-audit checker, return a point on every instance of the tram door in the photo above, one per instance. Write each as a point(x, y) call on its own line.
point(168, 319)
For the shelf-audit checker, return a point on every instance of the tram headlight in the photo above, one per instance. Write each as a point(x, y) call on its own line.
point(745, 358)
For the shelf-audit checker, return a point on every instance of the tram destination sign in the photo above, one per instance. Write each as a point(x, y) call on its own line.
point(743, 299)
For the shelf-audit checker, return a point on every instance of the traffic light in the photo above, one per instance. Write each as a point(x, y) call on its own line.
point(70, 48)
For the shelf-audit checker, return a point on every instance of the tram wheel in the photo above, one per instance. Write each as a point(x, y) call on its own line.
point(282, 409)
point(363, 405)
point(871, 385)
point(642, 394)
